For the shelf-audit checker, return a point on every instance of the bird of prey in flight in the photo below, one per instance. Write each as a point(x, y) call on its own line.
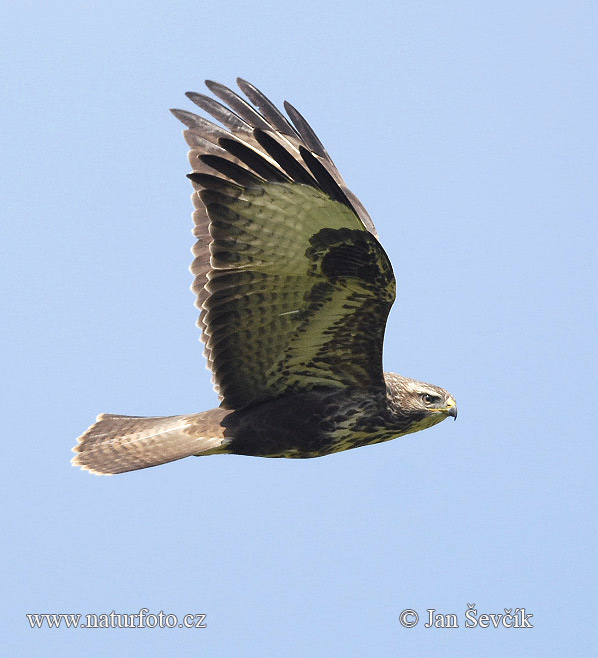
point(293, 289)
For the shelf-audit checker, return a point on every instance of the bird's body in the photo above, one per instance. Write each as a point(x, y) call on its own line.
point(294, 290)
point(321, 422)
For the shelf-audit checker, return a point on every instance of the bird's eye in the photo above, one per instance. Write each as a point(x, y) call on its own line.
point(427, 398)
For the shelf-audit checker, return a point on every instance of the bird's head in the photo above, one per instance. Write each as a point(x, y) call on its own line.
point(417, 405)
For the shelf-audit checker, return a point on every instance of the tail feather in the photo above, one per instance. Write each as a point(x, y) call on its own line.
point(116, 444)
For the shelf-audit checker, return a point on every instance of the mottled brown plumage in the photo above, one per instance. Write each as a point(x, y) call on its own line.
point(294, 290)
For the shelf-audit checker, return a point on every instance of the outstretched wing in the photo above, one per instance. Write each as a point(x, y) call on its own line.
point(293, 286)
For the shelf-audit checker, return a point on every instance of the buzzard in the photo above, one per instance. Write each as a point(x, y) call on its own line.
point(293, 289)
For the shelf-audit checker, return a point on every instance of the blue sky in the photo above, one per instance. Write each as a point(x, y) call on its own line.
point(468, 129)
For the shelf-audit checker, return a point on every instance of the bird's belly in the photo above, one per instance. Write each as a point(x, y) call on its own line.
point(311, 424)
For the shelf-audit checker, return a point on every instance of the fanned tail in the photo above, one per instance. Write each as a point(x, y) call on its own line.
point(116, 444)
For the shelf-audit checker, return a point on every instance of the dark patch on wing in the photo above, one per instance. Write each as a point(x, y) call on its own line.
point(350, 261)
point(347, 253)
point(353, 258)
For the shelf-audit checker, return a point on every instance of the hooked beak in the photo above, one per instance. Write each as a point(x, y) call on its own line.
point(451, 408)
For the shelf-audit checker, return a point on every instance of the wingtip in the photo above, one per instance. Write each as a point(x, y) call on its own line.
point(244, 84)
point(184, 116)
